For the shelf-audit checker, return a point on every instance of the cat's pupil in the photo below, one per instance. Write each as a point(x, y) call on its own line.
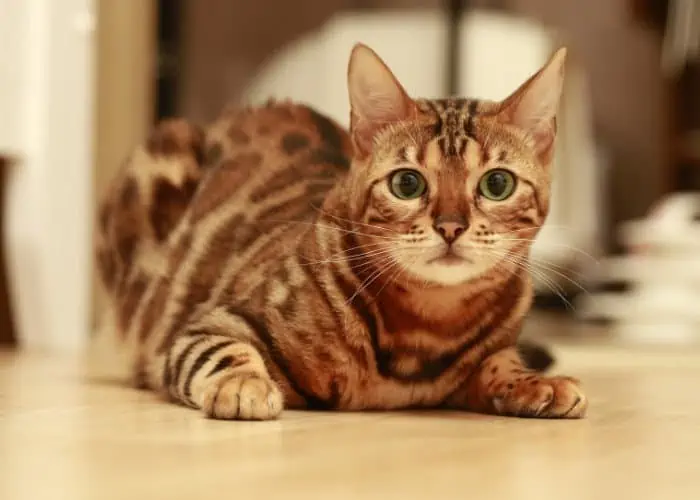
point(497, 184)
point(408, 184)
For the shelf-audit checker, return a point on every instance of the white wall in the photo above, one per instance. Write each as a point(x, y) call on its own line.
point(10, 73)
point(46, 105)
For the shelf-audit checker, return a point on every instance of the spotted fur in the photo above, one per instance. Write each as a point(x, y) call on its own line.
point(248, 264)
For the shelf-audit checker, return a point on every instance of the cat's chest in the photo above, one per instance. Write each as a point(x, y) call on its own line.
point(403, 364)
point(374, 390)
point(400, 377)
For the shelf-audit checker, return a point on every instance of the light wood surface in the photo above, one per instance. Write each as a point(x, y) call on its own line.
point(68, 431)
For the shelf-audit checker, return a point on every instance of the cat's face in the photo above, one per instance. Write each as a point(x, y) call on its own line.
point(446, 191)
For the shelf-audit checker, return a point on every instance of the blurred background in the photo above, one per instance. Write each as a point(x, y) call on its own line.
point(83, 80)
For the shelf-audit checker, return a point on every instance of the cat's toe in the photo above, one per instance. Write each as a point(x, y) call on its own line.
point(543, 397)
point(567, 401)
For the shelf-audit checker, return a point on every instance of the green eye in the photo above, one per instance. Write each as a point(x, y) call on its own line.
point(407, 184)
point(497, 185)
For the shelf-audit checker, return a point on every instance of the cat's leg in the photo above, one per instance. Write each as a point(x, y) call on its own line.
point(502, 385)
point(216, 365)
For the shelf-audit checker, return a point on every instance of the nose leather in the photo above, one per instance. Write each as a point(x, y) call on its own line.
point(450, 227)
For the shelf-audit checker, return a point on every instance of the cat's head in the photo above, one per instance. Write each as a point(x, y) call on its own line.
point(444, 191)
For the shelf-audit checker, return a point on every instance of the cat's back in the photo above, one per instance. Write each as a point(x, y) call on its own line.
point(271, 162)
point(258, 169)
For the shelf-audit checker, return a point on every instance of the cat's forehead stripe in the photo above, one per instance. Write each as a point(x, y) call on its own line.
point(454, 125)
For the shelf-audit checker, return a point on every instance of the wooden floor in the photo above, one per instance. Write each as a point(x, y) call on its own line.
point(67, 432)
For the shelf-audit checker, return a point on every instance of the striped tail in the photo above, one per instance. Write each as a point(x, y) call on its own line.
point(142, 207)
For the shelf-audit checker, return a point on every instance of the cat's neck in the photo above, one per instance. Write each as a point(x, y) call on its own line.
point(406, 304)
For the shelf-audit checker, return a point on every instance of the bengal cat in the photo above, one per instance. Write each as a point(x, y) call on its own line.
point(276, 260)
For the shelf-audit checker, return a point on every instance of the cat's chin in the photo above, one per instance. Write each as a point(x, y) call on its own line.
point(447, 271)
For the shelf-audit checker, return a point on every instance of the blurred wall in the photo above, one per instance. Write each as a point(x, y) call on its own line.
point(125, 73)
point(11, 27)
point(226, 40)
point(630, 105)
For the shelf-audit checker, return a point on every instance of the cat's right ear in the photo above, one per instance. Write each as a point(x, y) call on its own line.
point(377, 99)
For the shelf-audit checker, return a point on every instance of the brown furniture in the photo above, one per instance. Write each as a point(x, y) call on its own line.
point(7, 336)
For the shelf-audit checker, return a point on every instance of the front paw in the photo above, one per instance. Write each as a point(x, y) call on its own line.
point(243, 396)
point(541, 397)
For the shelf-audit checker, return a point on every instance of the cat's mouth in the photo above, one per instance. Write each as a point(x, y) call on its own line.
point(449, 258)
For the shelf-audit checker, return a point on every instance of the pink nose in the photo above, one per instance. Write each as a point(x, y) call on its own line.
point(450, 230)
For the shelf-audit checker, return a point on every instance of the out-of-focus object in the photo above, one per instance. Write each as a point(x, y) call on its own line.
point(682, 35)
point(678, 24)
point(47, 55)
point(7, 334)
point(662, 269)
point(498, 53)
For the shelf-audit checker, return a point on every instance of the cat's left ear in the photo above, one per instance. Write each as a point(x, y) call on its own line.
point(534, 106)
point(377, 99)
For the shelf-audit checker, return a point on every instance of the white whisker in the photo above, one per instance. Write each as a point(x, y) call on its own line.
point(353, 223)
